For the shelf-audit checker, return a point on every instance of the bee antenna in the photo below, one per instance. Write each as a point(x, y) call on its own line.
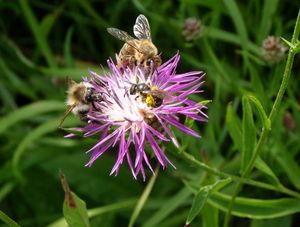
point(70, 82)
point(68, 111)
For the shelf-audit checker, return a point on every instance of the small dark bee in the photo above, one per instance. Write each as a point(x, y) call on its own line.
point(139, 88)
point(152, 96)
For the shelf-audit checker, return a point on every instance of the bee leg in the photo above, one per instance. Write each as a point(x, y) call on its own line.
point(83, 114)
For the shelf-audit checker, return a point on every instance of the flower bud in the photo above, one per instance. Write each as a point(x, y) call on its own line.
point(192, 29)
point(289, 121)
point(273, 50)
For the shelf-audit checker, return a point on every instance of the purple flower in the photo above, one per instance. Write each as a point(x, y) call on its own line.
point(132, 121)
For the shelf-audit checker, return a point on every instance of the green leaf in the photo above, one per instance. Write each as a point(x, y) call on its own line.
point(205, 102)
point(210, 216)
point(225, 36)
point(6, 189)
point(285, 221)
point(288, 43)
point(67, 47)
point(93, 13)
point(262, 114)
point(15, 81)
point(198, 203)
point(234, 126)
point(17, 51)
point(49, 20)
point(288, 164)
point(7, 220)
point(248, 133)
point(75, 73)
point(201, 197)
point(239, 24)
point(268, 11)
point(47, 23)
point(37, 32)
point(256, 208)
point(257, 83)
point(74, 208)
point(169, 206)
point(262, 166)
point(28, 112)
point(38, 132)
point(114, 207)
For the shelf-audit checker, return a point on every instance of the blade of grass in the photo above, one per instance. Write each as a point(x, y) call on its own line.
point(38, 132)
point(225, 36)
point(28, 112)
point(6, 189)
point(7, 220)
point(37, 32)
point(67, 48)
point(268, 11)
point(234, 126)
point(262, 166)
point(143, 199)
point(169, 206)
point(210, 216)
point(16, 82)
point(239, 24)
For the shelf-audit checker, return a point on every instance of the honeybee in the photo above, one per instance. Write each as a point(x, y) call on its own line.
point(151, 95)
point(140, 51)
point(81, 96)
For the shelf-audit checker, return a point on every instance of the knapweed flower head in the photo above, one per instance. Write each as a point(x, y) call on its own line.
point(131, 120)
point(192, 29)
point(273, 50)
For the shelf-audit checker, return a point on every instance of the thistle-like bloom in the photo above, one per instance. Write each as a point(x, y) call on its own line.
point(131, 122)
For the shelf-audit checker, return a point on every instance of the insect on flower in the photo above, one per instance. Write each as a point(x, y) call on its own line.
point(127, 119)
point(152, 96)
point(140, 51)
point(81, 96)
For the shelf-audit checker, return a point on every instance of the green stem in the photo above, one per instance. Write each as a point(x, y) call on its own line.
point(238, 179)
point(273, 113)
point(143, 199)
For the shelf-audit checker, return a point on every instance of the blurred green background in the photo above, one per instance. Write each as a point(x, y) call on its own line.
point(43, 42)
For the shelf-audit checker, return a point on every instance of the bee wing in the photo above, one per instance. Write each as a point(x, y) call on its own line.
point(159, 93)
point(141, 29)
point(119, 34)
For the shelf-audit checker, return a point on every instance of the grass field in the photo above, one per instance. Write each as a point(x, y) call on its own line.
point(244, 171)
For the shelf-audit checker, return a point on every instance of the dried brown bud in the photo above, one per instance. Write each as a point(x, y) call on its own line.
point(273, 50)
point(192, 29)
point(289, 121)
